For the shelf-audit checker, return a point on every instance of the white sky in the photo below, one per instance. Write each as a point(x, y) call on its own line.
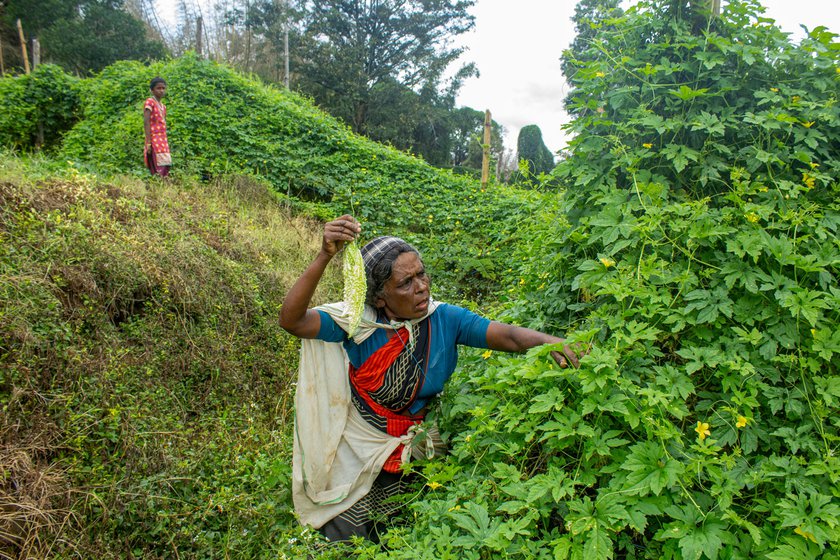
point(517, 46)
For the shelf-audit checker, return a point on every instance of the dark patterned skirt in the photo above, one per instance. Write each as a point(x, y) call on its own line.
point(366, 518)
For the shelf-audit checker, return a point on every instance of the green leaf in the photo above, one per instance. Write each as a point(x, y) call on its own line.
point(650, 469)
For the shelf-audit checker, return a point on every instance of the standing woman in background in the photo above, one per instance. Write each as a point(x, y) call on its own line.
point(156, 150)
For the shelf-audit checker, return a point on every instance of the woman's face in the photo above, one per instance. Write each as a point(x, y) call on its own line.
point(406, 293)
point(159, 90)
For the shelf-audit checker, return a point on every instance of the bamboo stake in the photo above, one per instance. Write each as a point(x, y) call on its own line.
point(485, 157)
point(23, 47)
point(2, 64)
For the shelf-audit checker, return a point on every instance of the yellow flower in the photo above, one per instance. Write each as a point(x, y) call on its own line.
point(487, 354)
point(434, 485)
point(751, 217)
point(600, 74)
point(521, 281)
point(607, 262)
point(795, 98)
point(648, 146)
point(808, 124)
point(741, 422)
point(809, 180)
point(702, 430)
point(774, 89)
point(805, 534)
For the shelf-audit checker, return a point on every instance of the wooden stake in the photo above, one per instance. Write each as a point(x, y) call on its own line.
point(2, 65)
point(36, 53)
point(23, 47)
point(485, 157)
point(198, 23)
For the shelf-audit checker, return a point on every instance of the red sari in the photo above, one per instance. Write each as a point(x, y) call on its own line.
point(157, 157)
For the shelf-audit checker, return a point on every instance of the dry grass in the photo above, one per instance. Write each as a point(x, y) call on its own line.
point(35, 498)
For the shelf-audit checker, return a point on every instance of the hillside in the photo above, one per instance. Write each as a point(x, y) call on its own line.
point(221, 122)
point(146, 383)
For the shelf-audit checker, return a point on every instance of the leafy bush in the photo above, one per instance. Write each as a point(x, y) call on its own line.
point(37, 109)
point(701, 254)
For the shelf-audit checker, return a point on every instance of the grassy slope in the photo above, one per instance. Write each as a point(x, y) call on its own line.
point(145, 383)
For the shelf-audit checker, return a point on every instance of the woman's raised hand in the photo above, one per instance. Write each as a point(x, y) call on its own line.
point(338, 232)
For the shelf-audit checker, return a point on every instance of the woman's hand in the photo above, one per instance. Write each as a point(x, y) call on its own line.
point(338, 232)
point(570, 355)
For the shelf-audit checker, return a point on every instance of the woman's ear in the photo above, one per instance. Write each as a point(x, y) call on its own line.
point(379, 303)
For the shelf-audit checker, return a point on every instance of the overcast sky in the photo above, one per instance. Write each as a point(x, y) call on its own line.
point(517, 47)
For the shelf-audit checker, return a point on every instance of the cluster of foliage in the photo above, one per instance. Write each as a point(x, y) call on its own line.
point(698, 240)
point(38, 108)
point(533, 153)
point(591, 18)
point(81, 35)
point(146, 386)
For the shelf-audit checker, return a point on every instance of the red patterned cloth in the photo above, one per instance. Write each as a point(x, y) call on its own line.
point(370, 377)
point(158, 157)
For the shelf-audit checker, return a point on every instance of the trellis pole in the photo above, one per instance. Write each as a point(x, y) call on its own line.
point(23, 47)
point(485, 149)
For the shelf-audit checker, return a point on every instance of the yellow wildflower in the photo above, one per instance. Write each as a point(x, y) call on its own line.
point(807, 124)
point(751, 217)
point(607, 262)
point(795, 98)
point(648, 146)
point(702, 430)
point(600, 74)
point(805, 534)
point(434, 485)
point(808, 180)
point(487, 354)
point(774, 89)
point(741, 422)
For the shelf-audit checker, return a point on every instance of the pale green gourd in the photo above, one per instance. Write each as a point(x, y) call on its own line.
point(355, 285)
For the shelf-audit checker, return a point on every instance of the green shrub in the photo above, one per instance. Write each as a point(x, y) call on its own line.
point(37, 109)
point(700, 256)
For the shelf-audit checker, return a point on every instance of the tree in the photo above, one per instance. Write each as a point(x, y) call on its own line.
point(84, 35)
point(348, 52)
point(532, 150)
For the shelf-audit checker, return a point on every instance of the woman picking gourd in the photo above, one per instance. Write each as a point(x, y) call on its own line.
point(361, 400)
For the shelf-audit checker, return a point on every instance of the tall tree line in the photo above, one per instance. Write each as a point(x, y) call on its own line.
point(81, 35)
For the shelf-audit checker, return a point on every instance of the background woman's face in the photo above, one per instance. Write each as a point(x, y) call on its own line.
point(159, 90)
point(406, 293)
